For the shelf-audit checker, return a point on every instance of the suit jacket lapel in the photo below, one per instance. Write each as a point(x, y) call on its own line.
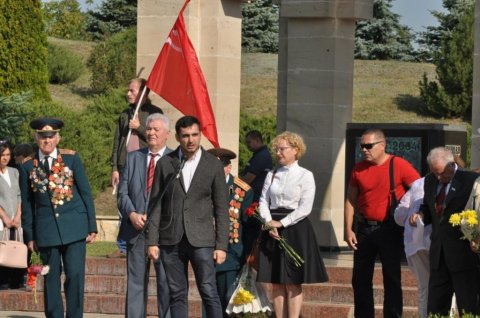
point(452, 192)
point(175, 162)
point(143, 170)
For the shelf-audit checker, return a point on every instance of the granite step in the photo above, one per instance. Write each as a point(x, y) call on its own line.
point(105, 288)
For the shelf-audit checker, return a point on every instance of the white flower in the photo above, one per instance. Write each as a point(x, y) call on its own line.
point(45, 270)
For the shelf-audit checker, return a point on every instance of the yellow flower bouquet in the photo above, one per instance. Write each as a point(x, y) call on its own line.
point(249, 296)
point(468, 222)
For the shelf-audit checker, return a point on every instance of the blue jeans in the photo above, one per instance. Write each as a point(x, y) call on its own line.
point(175, 260)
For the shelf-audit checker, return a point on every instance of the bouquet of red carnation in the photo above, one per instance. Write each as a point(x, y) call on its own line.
point(252, 211)
point(36, 267)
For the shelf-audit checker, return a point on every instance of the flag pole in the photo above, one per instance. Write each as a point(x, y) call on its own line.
point(139, 103)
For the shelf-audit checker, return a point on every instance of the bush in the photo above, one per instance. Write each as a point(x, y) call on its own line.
point(64, 66)
point(23, 49)
point(113, 62)
point(266, 125)
point(13, 115)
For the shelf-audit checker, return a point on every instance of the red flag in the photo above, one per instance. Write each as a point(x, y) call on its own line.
point(178, 78)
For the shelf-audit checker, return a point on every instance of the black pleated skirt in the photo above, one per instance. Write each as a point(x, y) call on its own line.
point(277, 268)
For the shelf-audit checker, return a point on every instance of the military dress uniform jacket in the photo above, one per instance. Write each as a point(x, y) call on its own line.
point(66, 223)
point(235, 253)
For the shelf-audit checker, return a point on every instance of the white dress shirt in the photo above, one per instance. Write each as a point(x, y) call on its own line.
point(189, 168)
point(293, 187)
point(159, 155)
point(51, 156)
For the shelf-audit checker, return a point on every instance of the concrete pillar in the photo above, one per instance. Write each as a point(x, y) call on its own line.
point(214, 27)
point(475, 146)
point(315, 89)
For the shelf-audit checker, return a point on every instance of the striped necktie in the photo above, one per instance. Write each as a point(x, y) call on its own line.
point(151, 171)
point(440, 198)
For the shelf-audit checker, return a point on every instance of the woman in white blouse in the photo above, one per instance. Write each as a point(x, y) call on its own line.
point(10, 212)
point(286, 201)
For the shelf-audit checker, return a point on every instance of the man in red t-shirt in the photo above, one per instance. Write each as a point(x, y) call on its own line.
point(377, 234)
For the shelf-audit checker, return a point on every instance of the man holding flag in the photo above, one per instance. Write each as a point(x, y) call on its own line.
point(130, 136)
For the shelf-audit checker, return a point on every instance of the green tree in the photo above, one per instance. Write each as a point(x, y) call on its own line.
point(450, 95)
point(260, 26)
point(113, 62)
point(383, 37)
point(12, 115)
point(113, 16)
point(64, 19)
point(430, 40)
point(23, 48)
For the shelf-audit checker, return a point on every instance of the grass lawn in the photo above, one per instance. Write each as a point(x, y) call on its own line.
point(101, 248)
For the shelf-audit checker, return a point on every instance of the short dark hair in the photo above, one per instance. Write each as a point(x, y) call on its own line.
point(185, 122)
point(24, 150)
point(254, 134)
point(376, 132)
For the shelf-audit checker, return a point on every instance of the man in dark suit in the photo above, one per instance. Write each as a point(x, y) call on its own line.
point(190, 222)
point(453, 266)
point(133, 193)
point(58, 217)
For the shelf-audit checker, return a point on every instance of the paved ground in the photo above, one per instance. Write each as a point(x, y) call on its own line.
point(24, 314)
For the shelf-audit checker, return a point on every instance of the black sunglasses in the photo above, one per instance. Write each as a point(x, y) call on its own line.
point(369, 146)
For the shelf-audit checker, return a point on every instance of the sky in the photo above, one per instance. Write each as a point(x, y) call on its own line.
point(414, 13)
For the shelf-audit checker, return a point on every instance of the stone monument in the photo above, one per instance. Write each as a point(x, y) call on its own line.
point(315, 92)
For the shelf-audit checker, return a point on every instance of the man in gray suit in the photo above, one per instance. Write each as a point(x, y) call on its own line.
point(133, 193)
point(190, 222)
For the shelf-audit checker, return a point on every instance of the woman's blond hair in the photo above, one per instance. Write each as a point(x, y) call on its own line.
point(293, 140)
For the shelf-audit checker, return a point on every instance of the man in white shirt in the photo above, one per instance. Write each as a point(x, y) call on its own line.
point(190, 222)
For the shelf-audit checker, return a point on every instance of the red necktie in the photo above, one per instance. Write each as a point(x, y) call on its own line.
point(440, 199)
point(151, 170)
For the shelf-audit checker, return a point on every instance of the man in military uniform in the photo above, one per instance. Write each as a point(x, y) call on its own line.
point(58, 216)
point(241, 197)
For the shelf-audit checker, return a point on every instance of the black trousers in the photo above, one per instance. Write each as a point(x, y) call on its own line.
point(443, 283)
point(385, 241)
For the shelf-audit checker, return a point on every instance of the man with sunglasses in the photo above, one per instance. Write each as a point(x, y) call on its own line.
point(453, 265)
point(369, 198)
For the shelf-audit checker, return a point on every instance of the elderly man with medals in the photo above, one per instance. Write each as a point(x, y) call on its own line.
point(58, 217)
